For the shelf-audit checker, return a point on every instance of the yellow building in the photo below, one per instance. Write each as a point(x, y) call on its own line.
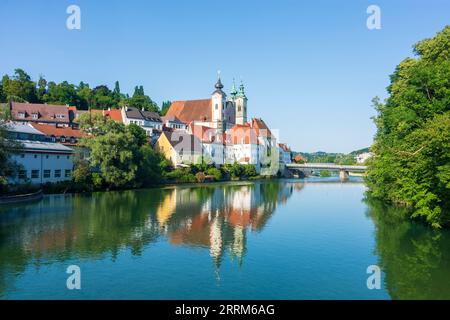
point(179, 147)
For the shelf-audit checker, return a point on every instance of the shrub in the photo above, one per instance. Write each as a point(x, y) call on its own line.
point(216, 173)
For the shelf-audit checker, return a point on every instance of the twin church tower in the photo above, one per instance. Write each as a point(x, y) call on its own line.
point(228, 111)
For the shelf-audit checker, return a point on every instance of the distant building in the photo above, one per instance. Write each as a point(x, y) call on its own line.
point(362, 157)
point(299, 158)
point(285, 153)
point(40, 161)
point(60, 115)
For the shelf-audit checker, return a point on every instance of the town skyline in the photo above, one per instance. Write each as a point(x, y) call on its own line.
point(286, 66)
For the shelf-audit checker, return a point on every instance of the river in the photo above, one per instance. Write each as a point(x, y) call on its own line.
point(284, 239)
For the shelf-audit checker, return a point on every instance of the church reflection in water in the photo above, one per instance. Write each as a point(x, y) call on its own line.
point(219, 218)
point(62, 227)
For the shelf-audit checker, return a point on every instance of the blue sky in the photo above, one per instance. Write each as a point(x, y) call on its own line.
point(310, 68)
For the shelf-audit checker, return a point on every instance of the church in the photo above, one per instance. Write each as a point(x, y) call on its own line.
point(218, 112)
point(217, 130)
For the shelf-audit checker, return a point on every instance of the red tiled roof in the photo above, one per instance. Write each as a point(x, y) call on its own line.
point(52, 130)
point(207, 134)
point(191, 110)
point(299, 157)
point(45, 112)
point(284, 147)
point(261, 128)
point(113, 114)
point(242, 133)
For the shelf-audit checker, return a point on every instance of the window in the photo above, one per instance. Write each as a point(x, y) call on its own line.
point(22, 174)
point(62, 139)
point(57, 173)
point(46, 173)
point(67, 173)
point(57, 157)
point(217, 106)
point(35, 116)
point(239, 108)
point(46, 157)
point(34, 174)
point(35, 156)
point(22, 156)
point(21, 114)
point(68, 157)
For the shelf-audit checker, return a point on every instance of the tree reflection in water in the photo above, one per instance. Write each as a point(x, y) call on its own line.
point(414, 257)
point(71, 227)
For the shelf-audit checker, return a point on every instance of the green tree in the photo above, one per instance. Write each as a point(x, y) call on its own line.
point(165, 107)
point(7, 148)
point(19, 87)
point(141, 101)
point(121, 153)
point(411, 165)
point(62, 93)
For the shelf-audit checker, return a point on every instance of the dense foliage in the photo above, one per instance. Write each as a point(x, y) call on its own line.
point(411, 166)
point(7, 148)
point(20, 88)
point(119, 155)
point(325, 157)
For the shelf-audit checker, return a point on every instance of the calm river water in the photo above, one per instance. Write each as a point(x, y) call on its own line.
point(283, 239)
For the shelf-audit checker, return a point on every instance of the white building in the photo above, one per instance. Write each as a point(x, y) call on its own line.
point(149, 121)
point(362, 157)
point(39, 161)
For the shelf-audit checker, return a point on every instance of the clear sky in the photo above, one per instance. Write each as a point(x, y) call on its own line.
point(310, 68)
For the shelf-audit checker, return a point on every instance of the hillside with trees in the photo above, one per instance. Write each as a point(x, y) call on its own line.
point(20, 87)
point(411, 163)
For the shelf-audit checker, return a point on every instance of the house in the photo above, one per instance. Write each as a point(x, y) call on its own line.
point(299, 158)
point(363, 157)
point(179, 147)
point(67, 136)
point(60, 115)
point(39, 161)
point(149, 121)
point(242, 145)
point(213, 143)
point(285, 153)
point(173, 122)
point(113, 114)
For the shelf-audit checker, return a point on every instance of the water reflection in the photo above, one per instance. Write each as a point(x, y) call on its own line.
point(414, 258)
point(63, 227)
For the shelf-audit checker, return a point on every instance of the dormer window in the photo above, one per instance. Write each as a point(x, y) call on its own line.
point(21, 114)
point(35, 115)
point(59, 116)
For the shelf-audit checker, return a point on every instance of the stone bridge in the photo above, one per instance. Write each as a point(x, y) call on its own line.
point(342, 168)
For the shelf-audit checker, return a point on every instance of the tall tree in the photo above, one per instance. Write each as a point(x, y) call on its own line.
point(19, 87)
point(165, 107)
point(411, 166)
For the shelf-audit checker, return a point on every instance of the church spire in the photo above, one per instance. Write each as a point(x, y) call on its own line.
point(241, 90)
point(233, 89)
point(218, 85)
